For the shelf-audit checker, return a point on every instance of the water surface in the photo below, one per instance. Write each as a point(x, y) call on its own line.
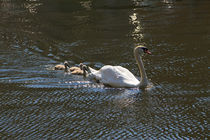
point(38, 102)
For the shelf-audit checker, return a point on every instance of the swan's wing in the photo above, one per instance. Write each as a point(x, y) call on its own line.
point(118, 76)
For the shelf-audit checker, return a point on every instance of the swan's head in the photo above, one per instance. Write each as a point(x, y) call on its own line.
point(143, 49)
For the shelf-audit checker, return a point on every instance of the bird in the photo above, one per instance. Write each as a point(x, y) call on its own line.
point(120, 77)
point(74, 70)
point(59, 67)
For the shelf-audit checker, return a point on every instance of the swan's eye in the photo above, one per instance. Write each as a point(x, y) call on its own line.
point(145, 50)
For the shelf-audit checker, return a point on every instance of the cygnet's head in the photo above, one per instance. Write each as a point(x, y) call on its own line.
point(66, 64)
point(81, 66)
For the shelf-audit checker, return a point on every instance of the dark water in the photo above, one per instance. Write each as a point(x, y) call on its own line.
point(37, 102)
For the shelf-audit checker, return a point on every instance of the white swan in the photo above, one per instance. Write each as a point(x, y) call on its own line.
point(117, 76)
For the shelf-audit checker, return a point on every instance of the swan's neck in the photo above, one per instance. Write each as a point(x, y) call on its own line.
point(144, 80)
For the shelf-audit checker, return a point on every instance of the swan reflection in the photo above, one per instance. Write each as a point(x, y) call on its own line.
point(126, 98)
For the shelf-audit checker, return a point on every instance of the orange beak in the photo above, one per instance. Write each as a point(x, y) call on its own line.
point(148, 52)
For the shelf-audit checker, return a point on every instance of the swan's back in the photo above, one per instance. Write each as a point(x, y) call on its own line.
point(117, 76)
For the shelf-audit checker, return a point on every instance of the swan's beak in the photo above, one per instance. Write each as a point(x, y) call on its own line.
point(148, 52)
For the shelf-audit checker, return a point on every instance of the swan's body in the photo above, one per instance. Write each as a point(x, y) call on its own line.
point(117, 76)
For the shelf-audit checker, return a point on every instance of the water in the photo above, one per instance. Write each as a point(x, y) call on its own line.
point(38, 102)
